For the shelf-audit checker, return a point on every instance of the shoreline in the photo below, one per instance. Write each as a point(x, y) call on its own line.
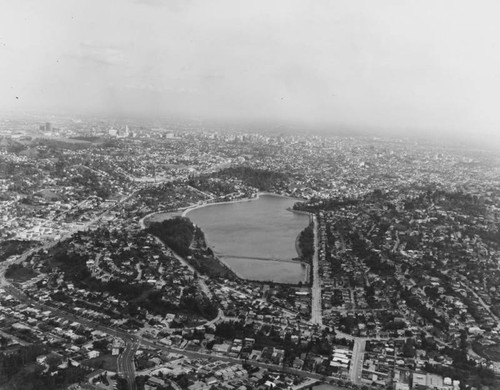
point(144, 221)
point(257, 196)
point(299, 211)
point(185, 211)
point(199, 206)
point(297, 246)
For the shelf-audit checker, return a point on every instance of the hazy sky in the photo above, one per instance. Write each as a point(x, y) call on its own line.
point(431, 65)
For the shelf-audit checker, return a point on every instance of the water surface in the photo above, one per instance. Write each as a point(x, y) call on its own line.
point(256, 238)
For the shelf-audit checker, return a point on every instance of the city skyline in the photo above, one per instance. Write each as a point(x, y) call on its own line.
point(402, 68)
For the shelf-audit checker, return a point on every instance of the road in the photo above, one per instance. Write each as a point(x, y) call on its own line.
point(125, 362)
point(204, 355)
point(201, 279)
point(483, 303)
point(316, 316)
point(169, 252)
point(357, 360)
point(207, 194)
point(308, 383)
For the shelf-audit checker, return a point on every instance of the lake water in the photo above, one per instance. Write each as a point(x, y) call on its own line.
point(256, 238)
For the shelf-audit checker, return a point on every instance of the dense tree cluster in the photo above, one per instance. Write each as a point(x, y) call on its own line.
point(428, 314)
point(210, 184)
point(306, 243)
point(18, 370)
point(177, 233)
point(11, 363)
point(314, 205)
point(198, 303)
point(138, 295)
point(371, 258)
point(262, 179)
point(19, 273)
point(188, 241)
point(14, 247)
point(457, 200)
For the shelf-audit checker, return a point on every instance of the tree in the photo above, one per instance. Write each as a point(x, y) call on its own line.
point(53, 360)
point(409, 349)
point(121, 383)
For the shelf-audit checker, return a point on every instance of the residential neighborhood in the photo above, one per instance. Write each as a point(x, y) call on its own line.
point(96, 295)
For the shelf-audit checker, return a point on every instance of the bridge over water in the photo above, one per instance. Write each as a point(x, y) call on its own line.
point(262, 258)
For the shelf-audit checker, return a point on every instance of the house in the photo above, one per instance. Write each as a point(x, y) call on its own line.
point(93, 354)
point(155, 382)
point(41, 359)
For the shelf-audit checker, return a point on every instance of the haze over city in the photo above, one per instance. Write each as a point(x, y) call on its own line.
point(401, 67)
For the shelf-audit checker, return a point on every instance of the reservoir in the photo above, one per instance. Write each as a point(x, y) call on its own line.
point(255, 238)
